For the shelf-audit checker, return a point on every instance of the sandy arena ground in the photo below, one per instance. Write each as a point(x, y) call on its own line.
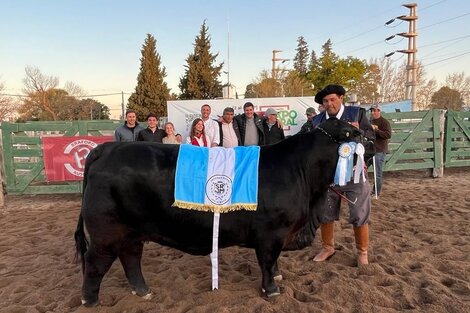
point(419, 253)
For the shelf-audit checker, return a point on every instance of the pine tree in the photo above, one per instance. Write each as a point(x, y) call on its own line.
point(313, 62)
point(151, 92)
point(200, 80)
point(301, 57)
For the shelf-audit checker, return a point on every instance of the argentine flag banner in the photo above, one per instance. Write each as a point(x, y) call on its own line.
point(217, 179)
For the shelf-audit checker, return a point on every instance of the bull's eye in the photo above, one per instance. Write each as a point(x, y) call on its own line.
point(347, 134)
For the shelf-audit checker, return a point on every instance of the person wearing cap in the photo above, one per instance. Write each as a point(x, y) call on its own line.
point(307, 126)
point(332, 97)
point(250, 126)
point(383, 132)
point(229, 132)
point(273, 133)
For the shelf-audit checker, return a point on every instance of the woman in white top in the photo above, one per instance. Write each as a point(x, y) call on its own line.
point(197, 136)
point(170, 137)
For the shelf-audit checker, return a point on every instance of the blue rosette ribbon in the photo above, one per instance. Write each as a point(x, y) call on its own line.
point(344, 168)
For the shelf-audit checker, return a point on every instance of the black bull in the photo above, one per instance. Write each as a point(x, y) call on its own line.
point(129, 192)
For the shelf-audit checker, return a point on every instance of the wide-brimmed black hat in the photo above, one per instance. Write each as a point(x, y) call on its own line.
point(328, 90)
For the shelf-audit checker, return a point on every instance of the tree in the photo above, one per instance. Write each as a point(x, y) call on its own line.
point(8, 106)
point(313, 62)
point(200, 80)
point(295, 85)
point(461, 83)
point(301, 57)
point(65, 106)
point(424, 94)
point(250, 91)
point(447, 98)
point(326, 67)
point(331, 69)
point(151, 93)
point(38, 87)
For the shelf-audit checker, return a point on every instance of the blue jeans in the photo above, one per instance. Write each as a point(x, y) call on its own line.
point(379, 164)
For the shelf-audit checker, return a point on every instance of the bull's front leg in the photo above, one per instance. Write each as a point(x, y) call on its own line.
point(267, 259)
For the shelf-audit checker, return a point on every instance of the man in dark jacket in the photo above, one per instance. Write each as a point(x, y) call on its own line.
point(229, 132)
point(273, 133)
point(250, 126)
point(332, 97)
point(383, 132)
point(130, 130)
point(307, 126)
point(152, 133)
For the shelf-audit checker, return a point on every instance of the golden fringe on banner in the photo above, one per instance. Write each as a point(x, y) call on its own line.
point(214, 208)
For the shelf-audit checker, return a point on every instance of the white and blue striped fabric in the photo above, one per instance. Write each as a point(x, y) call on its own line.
point(217, 179)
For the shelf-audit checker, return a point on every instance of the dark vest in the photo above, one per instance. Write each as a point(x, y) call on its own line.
point(350, 114)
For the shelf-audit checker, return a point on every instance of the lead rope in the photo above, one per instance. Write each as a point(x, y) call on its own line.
point(342, 196)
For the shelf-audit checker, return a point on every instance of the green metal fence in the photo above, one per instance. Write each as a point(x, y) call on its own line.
point(416, 141)
point(457, 143)
point(23, 156)
point(420, 140)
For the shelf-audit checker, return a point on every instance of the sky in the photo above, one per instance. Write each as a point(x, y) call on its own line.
point(97, 44)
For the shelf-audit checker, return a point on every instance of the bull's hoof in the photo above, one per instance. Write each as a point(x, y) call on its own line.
point(90, 304)
point(277, 277)
point(272, 293)
point(144, 295)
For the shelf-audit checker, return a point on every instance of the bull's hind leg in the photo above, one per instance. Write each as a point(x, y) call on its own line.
point(98, 260)
point(130, 255)
point(267, 255)
point(277, 273)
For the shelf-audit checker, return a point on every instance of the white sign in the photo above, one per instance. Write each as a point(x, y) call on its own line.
point(291, 111)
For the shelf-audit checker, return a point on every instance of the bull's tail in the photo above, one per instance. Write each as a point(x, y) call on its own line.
point(81, 243)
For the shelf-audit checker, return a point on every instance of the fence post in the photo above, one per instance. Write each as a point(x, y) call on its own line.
point(438, 170)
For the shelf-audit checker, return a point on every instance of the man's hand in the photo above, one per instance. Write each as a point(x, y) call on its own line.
point(375, 127)
point(355, 124)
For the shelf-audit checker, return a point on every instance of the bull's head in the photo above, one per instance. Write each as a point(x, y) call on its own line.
point(342, 131)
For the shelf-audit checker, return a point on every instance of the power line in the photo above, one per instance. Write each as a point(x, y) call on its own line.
point(431, 5)
point(440, 49)
point(450, 58)
point(437, 43)
point(370, 45)
point(359, 35)
point(85, 96)
point(377, 27)
point(450, 19)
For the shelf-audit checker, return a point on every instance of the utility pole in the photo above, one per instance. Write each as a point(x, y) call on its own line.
point(411, 66)
point(274, 69)
point(122, 106)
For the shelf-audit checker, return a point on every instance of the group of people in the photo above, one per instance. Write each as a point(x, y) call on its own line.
point(133, 131)
point(228, 131)
point(249, 129)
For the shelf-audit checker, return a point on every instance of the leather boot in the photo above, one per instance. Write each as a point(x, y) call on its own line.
point(327, 238)
point(362, 244)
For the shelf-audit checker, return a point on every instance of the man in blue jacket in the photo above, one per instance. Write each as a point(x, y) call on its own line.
point(358, 194)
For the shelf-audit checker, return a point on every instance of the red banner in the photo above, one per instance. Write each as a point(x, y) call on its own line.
point(64, 157)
